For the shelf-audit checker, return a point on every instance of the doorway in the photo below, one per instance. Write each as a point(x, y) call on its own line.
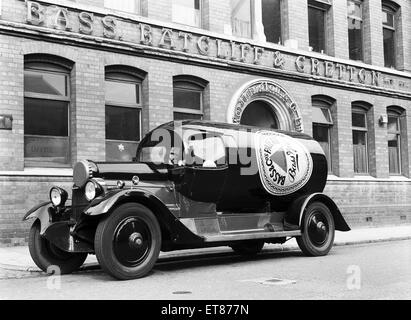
point(260, 114)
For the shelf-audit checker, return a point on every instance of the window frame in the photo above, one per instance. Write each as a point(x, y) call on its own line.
point(48, 66)
point(201, 22)
point(324, 10)
point(365, 129)
point(117, 77)
point(252, 19)
point(390, 10)
point(361, 19)
point(398, 133)
point(322, 105)
point(189, 85)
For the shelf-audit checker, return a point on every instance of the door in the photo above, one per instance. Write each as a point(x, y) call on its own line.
point(206, 167)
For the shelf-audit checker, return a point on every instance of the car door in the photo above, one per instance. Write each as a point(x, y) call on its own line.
point(206, 167)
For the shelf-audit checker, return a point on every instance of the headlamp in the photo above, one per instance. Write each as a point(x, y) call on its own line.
point(92, 190)
point(58, 196)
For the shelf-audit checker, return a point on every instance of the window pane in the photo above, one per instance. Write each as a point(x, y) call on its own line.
point(187, 12)
point(122, 151)
point(393, 124)
point(359, 120)
point(206, 152)
point(316, 23)
point(187, 99)
point(187, 116)
point(45, 117)
point(45, 83)
point(272, 20)
point(122, 92)
point(389, 48)
point(354, 9)
point(46, 151)
point(388, 18)
point(355, 39)
point(360, 152)
point(132, 6)
point(241, 17)
point(322, 135)
point(122, 123)
point(322, 115)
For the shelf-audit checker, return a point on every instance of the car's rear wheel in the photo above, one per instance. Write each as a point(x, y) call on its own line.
point(248, 248)
point(49, 257)
point(128, 242)
point(318, 230)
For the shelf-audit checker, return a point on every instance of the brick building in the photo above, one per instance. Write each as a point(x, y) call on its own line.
point(87, 79)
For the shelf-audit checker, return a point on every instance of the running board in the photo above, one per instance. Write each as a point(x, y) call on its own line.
point(251, 236)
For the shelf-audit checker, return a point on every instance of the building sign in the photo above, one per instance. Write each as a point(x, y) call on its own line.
point(135, 34)
point(285, 165)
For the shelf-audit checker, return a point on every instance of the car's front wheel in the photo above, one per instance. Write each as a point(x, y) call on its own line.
point(50, 258)
point(128, 242)
point(318, 229)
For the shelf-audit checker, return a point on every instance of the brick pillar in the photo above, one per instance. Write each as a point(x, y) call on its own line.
point(343, 163)
point(295, 23)
point(12, 103)
point(373, 40)
point(88, 109)
point(338, 30)
point(217, 16)
point(160, 91)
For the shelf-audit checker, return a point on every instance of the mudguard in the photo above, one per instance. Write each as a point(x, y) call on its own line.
point(295, 212)
point(177, 231)
point(42, 213)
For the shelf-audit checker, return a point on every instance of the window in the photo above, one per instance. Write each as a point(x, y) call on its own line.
point(360, 140)
point(187, 12)
point(394, 142)
point(205, 151)
point(123, 116)
point(131, 6)
point(241, 18)
point(188, 95)
point(317, 11)
point(46, 112)
point(355, 29)
point(322, 124)
point(271, 14)
point(388, 25)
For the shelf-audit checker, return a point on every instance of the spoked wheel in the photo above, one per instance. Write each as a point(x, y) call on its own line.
point(248, 248)
point(46, 255)
point(128, 242)
point(318, 230)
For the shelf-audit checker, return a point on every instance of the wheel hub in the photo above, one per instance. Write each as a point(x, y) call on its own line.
point(136, 240)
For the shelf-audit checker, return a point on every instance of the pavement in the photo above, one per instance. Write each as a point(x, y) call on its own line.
point(15, 262)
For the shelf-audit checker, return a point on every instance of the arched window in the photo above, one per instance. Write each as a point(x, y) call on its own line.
point(395, 139)
point(390, 17)
point(360, 137)
point(46, 111)
point(123, 96)
point(323, 125)
point(188, 97)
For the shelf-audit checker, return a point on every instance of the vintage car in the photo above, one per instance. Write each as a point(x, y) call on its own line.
point(193, 184)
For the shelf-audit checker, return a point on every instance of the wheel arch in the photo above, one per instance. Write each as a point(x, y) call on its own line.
point(295, 213)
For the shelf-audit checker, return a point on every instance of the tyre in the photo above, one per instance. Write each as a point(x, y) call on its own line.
point(318, 230)
point(248, 248)
point(128, 242)
point(46, 255)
